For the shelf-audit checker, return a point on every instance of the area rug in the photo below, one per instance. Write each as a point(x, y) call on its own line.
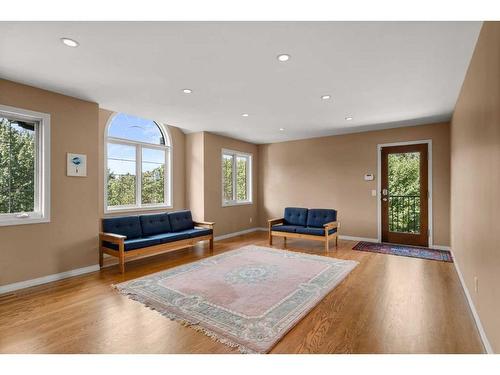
point(406, 251)
point(247, 298)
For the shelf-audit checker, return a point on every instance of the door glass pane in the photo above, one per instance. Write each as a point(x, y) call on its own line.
point(17, 166)
point(121, 175)
point(404, 192)
point(153, 176)
point(227, 177)
point(241, 178)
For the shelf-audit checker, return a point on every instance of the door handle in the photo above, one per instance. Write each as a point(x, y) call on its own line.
point(384, 192)
point(384, 199)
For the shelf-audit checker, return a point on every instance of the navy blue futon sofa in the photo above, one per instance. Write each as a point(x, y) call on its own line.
point(127, 236)
point(316, 224)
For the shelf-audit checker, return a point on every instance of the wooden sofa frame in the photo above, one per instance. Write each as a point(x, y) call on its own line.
point(326, 238)
point(122, 255)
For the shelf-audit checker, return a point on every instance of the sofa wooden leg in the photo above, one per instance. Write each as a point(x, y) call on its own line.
point(211, 245)
point(284, 241)
point(336, 241)
point(326, 245)
point(121, 258)
point(270, 239)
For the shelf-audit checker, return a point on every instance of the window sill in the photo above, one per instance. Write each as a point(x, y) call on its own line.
point(137, 209)
point(11, 221)
point(231, 204)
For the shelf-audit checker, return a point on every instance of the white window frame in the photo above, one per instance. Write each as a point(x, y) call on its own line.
point(236, 154)
point(138, 170)
point(41, 212)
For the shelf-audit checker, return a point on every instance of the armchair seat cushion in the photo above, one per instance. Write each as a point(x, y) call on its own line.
point(317, 217)
point(286, 228)
point(315, 231)
point(170, 237)
point(135, 243)
point(198, 232)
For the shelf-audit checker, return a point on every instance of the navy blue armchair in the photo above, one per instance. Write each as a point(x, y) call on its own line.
point(316, 224)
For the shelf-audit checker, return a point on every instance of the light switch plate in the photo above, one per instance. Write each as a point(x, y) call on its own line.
point(374, 193)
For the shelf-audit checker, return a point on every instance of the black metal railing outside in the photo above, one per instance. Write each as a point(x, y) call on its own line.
point(404, 213)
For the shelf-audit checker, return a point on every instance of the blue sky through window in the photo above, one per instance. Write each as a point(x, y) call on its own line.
point(135, 129)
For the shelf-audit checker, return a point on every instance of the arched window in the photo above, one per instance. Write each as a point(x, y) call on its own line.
point(138, 164)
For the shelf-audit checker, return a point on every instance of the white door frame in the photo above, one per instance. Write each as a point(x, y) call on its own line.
point(379, 184)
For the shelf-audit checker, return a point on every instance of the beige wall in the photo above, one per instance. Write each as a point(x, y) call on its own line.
point(178, 167)
point(328, 172)
point(195, 192)
point(475, 178)
point(233, 218)
point(69, 241)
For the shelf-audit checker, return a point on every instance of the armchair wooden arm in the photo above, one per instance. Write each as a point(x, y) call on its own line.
point(205, 224)
point(112, 237)
point(275, 221)
point(331, 225)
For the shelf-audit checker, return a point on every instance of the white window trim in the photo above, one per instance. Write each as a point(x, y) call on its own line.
point(138, 207)
point(226, 203)
point(42, 167)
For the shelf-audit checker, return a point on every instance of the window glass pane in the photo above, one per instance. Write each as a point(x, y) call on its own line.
point(153, 176)
point(241, 178)
point(121, 182)
point(17, 166)
point(121, 152)
point(136, 129)
point(227, 173)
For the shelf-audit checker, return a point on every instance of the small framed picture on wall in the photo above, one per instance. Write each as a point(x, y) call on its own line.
point(77, 165)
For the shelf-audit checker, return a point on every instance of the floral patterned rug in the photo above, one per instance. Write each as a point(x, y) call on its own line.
point(406, 251)
point(247, 298)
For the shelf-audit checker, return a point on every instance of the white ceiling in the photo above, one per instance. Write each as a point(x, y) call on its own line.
point(383, 74)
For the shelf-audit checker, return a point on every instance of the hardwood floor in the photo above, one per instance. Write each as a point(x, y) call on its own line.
point(388, 304)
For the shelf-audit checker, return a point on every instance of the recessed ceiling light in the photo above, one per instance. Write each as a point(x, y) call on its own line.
point(187, 91)
point(282, 129)
point(325, 97)
point(283, 57)
point(70, 42)
point(348, 118)
point(244, 115)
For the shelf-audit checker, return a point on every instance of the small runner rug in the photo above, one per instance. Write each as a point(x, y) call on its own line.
point(247, 298)
point(406, 251)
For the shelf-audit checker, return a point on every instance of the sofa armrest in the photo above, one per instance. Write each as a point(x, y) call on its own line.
point(206, 224)
point(112, 237)
point(331, 225)
point(275, 221)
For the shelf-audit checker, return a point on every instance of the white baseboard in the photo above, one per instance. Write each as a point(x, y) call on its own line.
point(353, 238)
point(47, 279)
point(440, 247)
point(229, 235)
point(482, 333)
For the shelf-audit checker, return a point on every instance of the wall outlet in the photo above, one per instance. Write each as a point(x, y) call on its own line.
point(251, 219)
point(476, 284)
point(374, 193)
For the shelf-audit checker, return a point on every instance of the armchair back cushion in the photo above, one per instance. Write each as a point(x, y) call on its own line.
point(295, 216)
point(155, 224)
point(180, 220)
point(317, 217)
point(129, 226)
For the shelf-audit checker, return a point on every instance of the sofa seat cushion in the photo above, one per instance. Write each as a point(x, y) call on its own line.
point(317, 217)
point(134, 244)
point(197, 232)
point(180, 220)
point(286, 228)
point(129, 226)
point(170, 237)
point(155, 224)
point(315, 231)
point(295, 216)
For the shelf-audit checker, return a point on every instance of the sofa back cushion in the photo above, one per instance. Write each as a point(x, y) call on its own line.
point(129, 226)
point(180, 220)
point(155, 224)
point(317, 217)
point(295, 216)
